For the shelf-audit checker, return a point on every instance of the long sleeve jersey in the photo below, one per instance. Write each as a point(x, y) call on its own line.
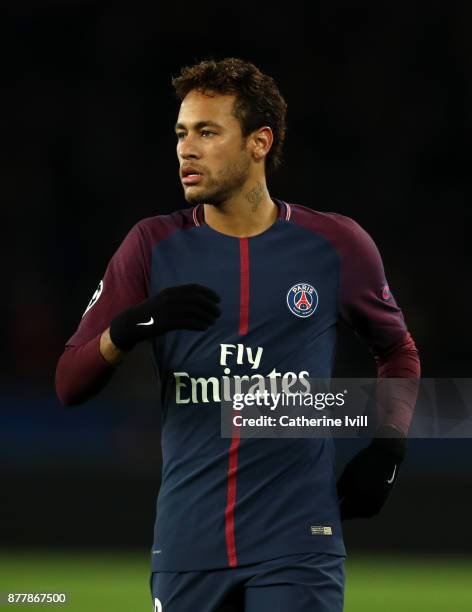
point(228, 502)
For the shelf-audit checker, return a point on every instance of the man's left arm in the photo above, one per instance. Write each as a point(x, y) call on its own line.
point(368, 306)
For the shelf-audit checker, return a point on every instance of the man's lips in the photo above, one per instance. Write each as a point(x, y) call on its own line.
point(190, 175)
point(191, 179)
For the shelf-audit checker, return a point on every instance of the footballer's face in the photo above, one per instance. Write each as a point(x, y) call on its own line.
point(214, 156)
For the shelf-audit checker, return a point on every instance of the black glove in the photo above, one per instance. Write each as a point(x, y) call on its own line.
point(368, 478)
point(192, 307)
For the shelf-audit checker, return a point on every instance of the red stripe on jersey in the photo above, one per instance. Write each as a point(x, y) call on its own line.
point(233, 451)
point(231, 500)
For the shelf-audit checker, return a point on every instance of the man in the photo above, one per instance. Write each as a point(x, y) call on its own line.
point(251, 524)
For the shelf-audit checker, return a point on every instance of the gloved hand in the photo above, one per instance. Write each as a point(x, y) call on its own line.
point(368, 478)
point(192, 307)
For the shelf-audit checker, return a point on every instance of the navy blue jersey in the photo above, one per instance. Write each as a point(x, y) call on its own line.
point(228, 502)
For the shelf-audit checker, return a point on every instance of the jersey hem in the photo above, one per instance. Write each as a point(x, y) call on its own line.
point(335, 547)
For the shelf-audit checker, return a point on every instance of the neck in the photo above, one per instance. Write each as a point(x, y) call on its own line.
point(247, 214)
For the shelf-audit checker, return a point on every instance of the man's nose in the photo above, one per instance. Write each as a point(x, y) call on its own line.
point(188, 149)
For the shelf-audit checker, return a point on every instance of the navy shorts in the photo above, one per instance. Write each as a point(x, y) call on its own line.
point(308, 582)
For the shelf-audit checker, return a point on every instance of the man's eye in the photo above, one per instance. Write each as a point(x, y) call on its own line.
point(180, 135)
point(207, 133)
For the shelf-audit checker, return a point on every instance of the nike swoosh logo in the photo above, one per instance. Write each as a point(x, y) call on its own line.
point(150, 322)
point(393, 476)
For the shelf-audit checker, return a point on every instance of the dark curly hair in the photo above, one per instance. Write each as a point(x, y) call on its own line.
point(258, 99)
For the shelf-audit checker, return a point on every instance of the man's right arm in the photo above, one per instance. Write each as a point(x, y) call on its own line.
point(82, 371)
point(90, 358)
point(121, 314)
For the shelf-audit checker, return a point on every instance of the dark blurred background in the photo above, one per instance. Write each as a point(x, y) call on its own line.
point(380, 116)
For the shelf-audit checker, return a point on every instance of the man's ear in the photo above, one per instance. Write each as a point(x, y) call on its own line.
point(262, 140)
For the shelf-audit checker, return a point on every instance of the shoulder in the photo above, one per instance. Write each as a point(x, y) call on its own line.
point(343, 232)
point(322, 222)
point(151, 230)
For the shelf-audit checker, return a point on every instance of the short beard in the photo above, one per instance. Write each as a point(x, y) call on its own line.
point(228, 182)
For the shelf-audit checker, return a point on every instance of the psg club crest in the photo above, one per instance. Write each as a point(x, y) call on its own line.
point(302, 300)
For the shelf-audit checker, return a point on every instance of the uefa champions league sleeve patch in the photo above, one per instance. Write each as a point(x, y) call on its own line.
point(95, 298)
point(302, 300)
